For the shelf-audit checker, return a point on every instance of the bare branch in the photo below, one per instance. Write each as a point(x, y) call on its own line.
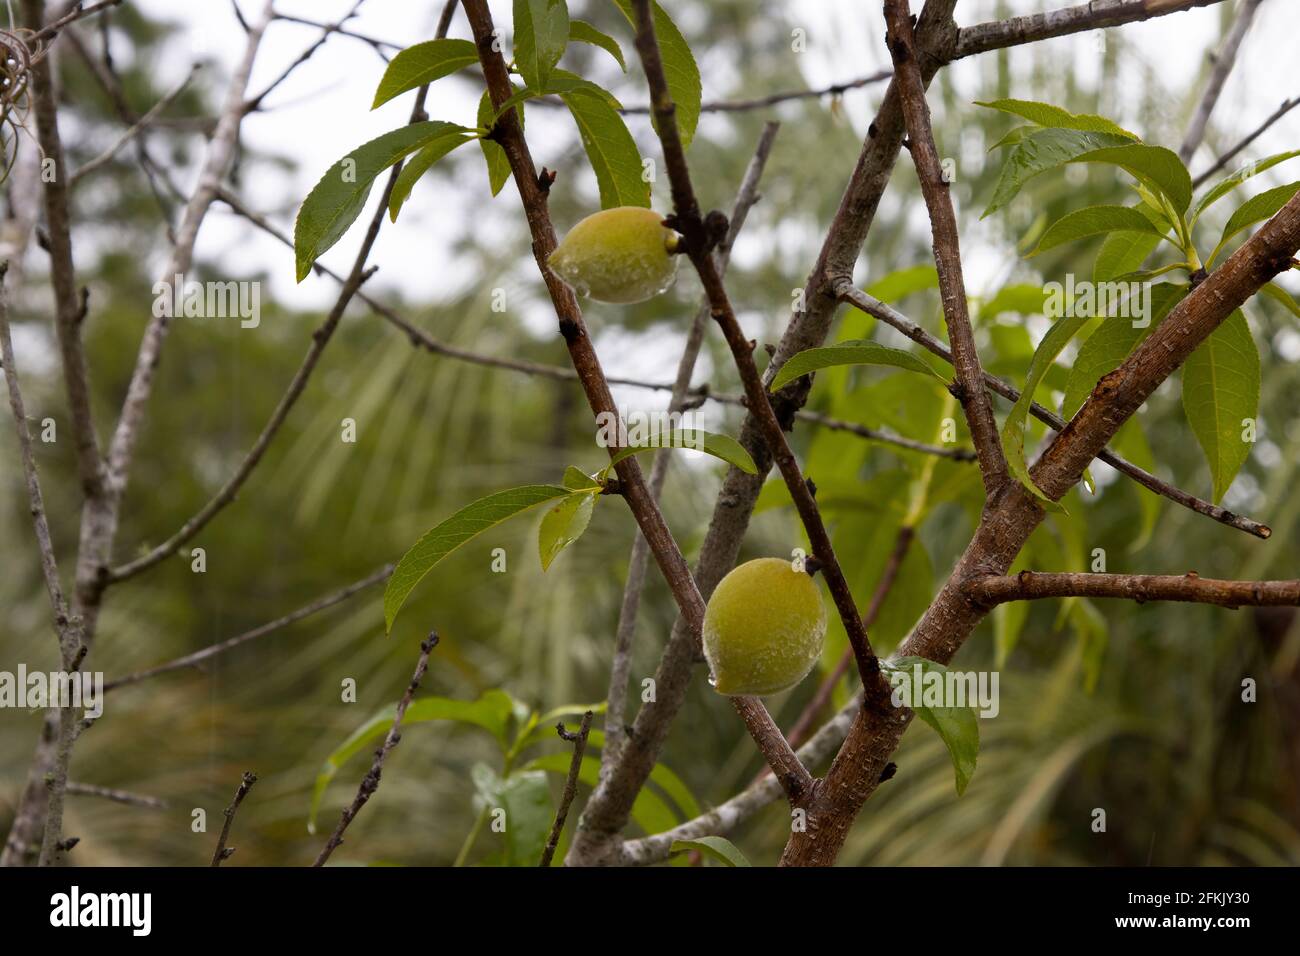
point(774, 99)
point(1190, 587)
point(1015, 31)
point(223, 852)
point(947, 249)
point(1223, 61)
point(370, 783)
point(579, 741)
point(78, 12)
point(894, 318)
point(255, 102)
point(207, 653)
point(143, 801)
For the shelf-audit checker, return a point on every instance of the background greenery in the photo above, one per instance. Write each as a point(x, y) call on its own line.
point(1132, 709)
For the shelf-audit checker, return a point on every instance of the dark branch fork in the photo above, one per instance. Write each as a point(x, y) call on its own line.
point(579, 741)
point(223, 852)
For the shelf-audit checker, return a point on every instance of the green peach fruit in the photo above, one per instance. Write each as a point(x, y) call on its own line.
point(621, 255)
point(763, 628)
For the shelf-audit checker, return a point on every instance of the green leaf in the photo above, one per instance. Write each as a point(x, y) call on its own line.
point(1045, 114)
point(335, 202)
point(575, 479)
point(420, 164)
point(611, 150)
point(423, 63)
point(679, 67)
point(525, 797)
point(1253, 210)
point(1014, 135)
point(1039, 152)
point(1013, 429)
point(563, 525)
point(903, 282)
point(1115, 338)
point(498, 164)
point(1154, 166)
point(1278, 294)
point(584, 32)
point(696, 439)
point(1094, 221)
point(1020, 297)
point(848, 353)
point(491, 712)
point(1131, 443)
point(541, 34)
point(1220, 389)
point(1008, 621)
point(1230, 183)
point(722, 850)
point(1123, 252)
point(446, 537)
point(957, 726)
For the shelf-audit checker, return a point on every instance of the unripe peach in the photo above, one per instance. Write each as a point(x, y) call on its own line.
point(764, 628)
point(621, 255)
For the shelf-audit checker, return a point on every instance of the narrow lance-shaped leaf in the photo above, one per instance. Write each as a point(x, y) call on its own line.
point(467, 523)
point(1047, 115)
point(849, 353)
point(541, 34)
point(611, 150)
point(1123, 252)
point(1253, 210)
point(563, 525)
point(1095, 221)
point(958, 727)
point(498, 164)
point(679, 67)
point(1013, 429)
point(420, 164)
point(336, 201)
point(694, 439)
point(1281, 296)
point(719, 848)
point(1038, 152)
point(1230, 183)
point(584, 32)
point(1154, 166)
point(423, 63)
point(1221, 397)
point(525, 796)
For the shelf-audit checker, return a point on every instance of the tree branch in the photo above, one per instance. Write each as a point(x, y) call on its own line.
point(947, 249)
point(1223, 61)
point(75, 789)
point(1190, 587)
point(894, 318)
point(223, 852)
point(1286, 107)
point(370, 783)
point(579, 741)
point(307, 610)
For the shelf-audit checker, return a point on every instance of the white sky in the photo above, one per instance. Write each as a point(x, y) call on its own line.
point(323, 112)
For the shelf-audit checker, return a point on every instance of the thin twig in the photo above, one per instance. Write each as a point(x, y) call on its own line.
point(1224, 60)
point(223, 852)
point(785, 96)
point(947, 249)
point(255, 102)
point(1286, 107)
point(75, 789)
point(78, 12)
point(138, 127)
point(894, 318)
point(207, 653)
point(1190, 587)
point(370, 783)
point(579, 741)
